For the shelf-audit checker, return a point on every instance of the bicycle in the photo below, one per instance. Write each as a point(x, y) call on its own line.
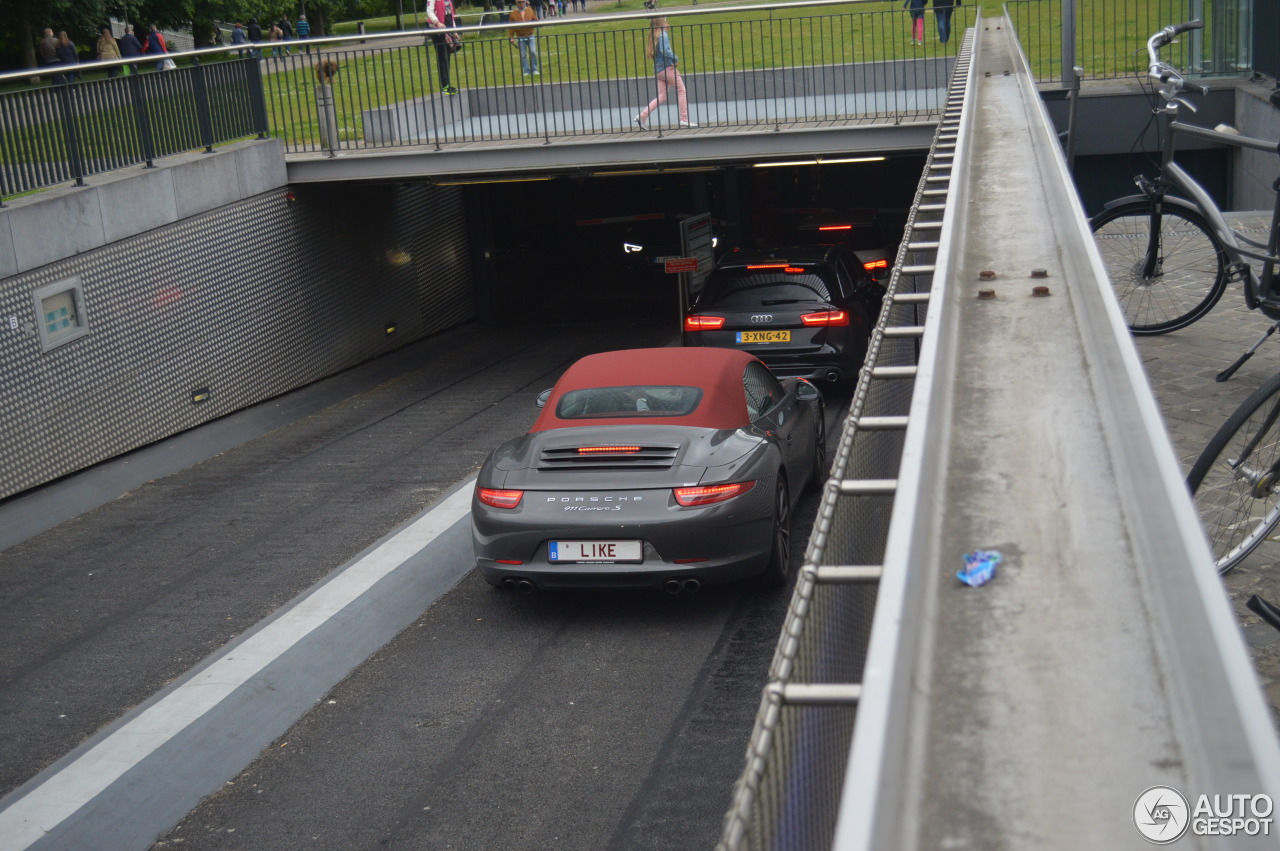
point(1236, 480)
point(1171, 256)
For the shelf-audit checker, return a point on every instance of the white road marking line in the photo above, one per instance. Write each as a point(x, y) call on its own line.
point(44, 807)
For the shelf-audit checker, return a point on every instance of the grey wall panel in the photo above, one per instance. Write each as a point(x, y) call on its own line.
point(246, 301)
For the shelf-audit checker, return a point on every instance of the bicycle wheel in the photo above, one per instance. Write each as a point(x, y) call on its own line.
point(1190, 272)
point(1236, 480)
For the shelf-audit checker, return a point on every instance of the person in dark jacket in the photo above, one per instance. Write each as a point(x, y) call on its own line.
point(130, 46)
point(67, 54)
point(916, 8)
point(286, 31)
point(942, 10)
point(255, 36)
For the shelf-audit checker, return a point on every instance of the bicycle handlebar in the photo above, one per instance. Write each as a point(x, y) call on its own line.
point(1158, 68)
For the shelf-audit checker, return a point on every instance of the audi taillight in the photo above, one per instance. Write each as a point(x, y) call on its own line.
point(826, 318)
point(703, 323)
point(708, 494)
point(499, 498)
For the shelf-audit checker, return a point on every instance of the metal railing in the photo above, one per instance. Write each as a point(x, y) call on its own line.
point(1107, 37)
point(746, 66)
point(749, 66)
point(76, 128)
point(788, 796)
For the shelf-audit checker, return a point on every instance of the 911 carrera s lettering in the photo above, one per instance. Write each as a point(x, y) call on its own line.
point(593, 508)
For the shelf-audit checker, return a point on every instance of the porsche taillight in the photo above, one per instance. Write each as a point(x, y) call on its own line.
point(708, 494)
point(872, 265)
point(499, 498)
point(703, 323)
point(826, 318)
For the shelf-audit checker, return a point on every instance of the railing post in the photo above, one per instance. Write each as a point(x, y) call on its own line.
point(1077, 73)
point(143, 120)
point(257, 96)
point(1068, 40)
point(70, 136)
point(204, 117)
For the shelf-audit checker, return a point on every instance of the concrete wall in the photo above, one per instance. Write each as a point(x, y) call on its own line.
point(1256, 172)
point(48, 226)
point(198, 308)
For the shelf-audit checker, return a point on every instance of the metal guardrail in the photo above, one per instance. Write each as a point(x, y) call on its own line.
point(1099, 36)
point(74, 129)
point(789, 793)
point(745, 66)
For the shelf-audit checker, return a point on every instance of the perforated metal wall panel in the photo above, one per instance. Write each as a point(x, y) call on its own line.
point(242, 303)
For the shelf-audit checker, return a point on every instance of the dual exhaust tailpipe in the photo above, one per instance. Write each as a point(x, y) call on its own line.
point(524, 586)
point(675, 585)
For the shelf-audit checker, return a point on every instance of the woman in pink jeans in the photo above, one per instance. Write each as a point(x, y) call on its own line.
point(658, 48)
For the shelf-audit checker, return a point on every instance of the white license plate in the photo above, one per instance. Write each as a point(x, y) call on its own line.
point(604, 551)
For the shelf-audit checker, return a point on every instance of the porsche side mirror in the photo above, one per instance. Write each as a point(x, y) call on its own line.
point(806, 392)
point(541, 401)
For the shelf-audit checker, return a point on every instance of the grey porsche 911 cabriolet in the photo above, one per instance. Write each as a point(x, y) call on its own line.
point(652, 468)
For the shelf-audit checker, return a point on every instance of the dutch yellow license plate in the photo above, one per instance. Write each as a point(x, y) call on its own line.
point(764, 336)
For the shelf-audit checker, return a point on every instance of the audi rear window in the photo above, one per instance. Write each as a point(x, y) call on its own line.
point(756, 289)
point(634, 400)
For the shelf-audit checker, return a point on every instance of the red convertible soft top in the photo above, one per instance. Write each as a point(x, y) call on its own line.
point(718, 372)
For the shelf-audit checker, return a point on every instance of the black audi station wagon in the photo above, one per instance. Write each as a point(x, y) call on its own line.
point(805, 311)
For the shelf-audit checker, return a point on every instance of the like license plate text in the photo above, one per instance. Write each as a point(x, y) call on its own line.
point(595, 551)
point(764, 336)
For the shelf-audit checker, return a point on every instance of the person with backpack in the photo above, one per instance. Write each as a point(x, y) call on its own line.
point(916, 8)
point(440, 16)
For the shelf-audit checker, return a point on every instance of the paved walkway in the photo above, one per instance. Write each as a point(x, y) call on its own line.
point(1181, 367)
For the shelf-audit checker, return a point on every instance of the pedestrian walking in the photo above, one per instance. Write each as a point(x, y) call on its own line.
point(255, 37)
point(286, 32)
point(68, 54)
point(239, 36)
point(275, 35)
point(658, 48)
point(942, 10)
point(916, 8)
point(526, 38)
point(155, 46)
point(130, 47)
point(47, 50)
point(440, 16)
point(108, 49)
point(303, 29)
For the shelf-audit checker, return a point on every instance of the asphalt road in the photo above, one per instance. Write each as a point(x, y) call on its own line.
point(494, 721)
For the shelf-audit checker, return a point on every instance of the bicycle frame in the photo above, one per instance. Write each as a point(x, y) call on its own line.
point(1261, 291)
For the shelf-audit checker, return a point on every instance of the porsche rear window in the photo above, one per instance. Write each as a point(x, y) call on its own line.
point(763, 289)
point(628, 401)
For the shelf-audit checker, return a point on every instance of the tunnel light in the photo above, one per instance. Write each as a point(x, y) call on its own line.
point(631, 248)
point(480, 181)
point(819, 161)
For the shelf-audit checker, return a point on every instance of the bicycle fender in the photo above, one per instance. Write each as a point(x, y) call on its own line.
point(1169, 201)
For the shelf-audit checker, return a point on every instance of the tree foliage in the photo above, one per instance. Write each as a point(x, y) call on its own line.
point(23, 21)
